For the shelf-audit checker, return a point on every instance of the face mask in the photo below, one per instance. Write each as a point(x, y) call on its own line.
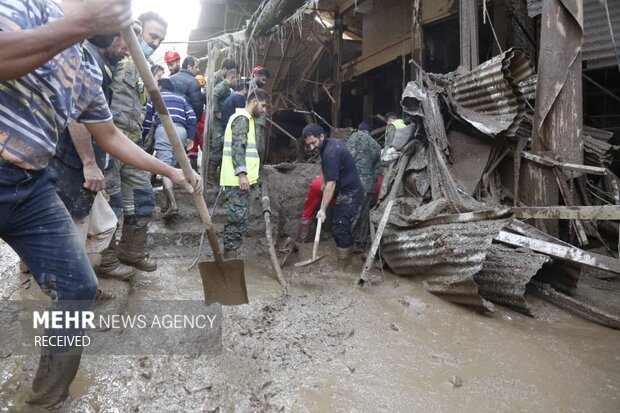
point(147, 49)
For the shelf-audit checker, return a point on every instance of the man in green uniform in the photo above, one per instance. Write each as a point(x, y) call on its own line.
point(366, 153)
point(220, 93)
point(240, 168)
point(129, 188)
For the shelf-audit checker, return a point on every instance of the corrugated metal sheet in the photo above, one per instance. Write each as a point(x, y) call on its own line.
point(489, 97)
point(452, 252)
point(597, 46)
point(505, 274)
point(528, 87)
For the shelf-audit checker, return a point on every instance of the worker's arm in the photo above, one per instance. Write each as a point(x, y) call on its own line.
point(112, 140)
point(23, 49)
point(240, 128)
point(93, 177)
point(328, 194)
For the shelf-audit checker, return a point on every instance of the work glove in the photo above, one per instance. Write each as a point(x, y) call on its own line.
point(321, 215)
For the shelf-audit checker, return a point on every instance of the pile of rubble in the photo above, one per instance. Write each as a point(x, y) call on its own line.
point(450, 218)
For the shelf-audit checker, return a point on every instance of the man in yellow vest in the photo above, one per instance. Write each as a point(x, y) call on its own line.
point(240, 168)
point(394, 122)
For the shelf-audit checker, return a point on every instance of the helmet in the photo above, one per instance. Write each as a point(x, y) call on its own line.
point(201, 79)
point(171, 56)
point(257, 69)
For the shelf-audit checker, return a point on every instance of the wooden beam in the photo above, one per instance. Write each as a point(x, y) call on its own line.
point(607, 212)
point(281, 129)
point(543, 160)
point(468, 17)
point(568, 253)
point(363, 64)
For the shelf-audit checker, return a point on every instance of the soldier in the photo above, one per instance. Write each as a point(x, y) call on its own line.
point(129, 188)
point(220, 75)
point(341, 181)
point(240, 168)
point(366, 153)
point(220, 93)
point(260, 76)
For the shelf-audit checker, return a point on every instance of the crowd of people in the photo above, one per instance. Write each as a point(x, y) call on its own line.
point(73, 105)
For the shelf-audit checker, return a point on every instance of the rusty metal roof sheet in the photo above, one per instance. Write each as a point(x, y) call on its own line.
point(489, 97)
point(597, 45)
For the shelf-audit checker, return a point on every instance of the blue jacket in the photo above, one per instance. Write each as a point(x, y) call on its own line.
point(187, 85)
point(180, 112)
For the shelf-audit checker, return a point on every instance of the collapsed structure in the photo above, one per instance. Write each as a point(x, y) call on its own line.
point(502, 182)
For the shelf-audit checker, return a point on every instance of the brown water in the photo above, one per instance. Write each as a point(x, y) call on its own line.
point(330, 346)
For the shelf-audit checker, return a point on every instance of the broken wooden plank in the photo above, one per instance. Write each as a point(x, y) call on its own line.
point(606, 212)
point(590, 312)
point(543, 160)
point(569, 201)
point(568, 253)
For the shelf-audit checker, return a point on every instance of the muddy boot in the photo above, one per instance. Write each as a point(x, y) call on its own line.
point(50, 387)
point(344, 257)
point(110, 266)
point(132, 247)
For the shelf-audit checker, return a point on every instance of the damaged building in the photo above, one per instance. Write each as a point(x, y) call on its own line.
point(506, 180)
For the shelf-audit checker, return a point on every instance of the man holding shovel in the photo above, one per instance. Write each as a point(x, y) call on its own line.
point(342, 182)
point(46, 83)
point(240, 168)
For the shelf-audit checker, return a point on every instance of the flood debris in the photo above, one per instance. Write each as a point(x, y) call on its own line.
point(445, 221)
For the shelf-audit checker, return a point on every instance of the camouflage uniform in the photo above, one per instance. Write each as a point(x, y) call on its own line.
point(220, 93)
point(366, 153)
point(261, 125)
point(367, 156)
point(128, 98)
point(238, 208)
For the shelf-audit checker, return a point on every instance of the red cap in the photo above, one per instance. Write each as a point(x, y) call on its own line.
point(256, 69)
point(171, 56)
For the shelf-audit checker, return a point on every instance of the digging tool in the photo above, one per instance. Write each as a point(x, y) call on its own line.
point(268, 229)
point(315, 246)
point(223, 281)
point(384, 219)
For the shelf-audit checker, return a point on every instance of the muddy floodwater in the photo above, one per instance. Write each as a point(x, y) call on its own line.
point(329, 346)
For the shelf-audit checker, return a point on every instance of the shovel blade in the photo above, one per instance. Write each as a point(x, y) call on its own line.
point(224, 283)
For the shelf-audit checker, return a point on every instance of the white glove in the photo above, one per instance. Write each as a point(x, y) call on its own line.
point(321, 215)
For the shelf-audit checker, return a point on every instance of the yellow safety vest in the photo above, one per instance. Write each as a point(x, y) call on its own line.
point(252, 161)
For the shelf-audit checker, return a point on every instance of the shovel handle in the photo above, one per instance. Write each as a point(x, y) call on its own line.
point(179, 152)
point(317, 237)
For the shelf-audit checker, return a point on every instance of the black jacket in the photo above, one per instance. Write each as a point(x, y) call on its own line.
point(187, 85)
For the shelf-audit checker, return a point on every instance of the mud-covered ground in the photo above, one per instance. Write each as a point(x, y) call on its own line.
point(330, 346)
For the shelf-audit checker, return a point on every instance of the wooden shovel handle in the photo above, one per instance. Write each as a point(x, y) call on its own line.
point(179, 152)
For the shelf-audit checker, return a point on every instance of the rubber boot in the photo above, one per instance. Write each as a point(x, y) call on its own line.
point(111, 267)
point(54, 376)
point(344, 257)
point(132, 247)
